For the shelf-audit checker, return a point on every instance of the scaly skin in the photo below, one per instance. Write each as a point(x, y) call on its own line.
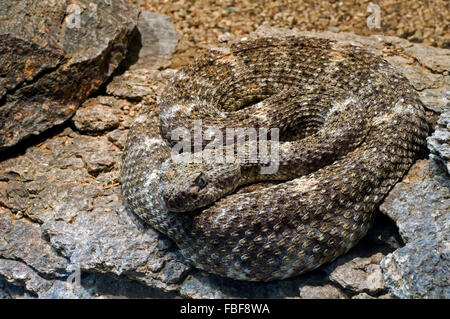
point(351, 125)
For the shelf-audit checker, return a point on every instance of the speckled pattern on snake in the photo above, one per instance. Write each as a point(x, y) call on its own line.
point(350, 128)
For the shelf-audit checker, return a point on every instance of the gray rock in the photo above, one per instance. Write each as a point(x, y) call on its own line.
point(358, 274)
point(21, 240)
point(153, 45)
point(439, 142)
point(174, 272)
point(158, 39)
point(18, 273)
point(436, 99)
point(435, 59)
point(118, 138)
point(52, 56)
point(326, 291)
point(419, 77)
point(419, 270)
point(133, 85)
point(420, 206)
point(139, 84)
point(363, 295)
point(199, 284)
point(80, 199)
point(95, 117)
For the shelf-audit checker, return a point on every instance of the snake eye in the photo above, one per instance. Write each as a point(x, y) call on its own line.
point(200, 181)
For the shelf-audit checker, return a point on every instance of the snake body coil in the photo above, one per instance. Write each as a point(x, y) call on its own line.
point(350, 127)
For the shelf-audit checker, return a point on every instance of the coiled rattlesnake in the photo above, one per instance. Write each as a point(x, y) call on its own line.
point(350, 127)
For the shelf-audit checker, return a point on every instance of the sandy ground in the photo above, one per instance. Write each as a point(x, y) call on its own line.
point(201, 22)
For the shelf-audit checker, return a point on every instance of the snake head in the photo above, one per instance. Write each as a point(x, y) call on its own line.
point(187, 186)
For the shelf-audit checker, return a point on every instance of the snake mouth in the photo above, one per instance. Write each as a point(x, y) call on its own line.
point(177, 202)
point(184, 201)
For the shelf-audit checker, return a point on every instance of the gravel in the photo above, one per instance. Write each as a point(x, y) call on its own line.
point(202, 22)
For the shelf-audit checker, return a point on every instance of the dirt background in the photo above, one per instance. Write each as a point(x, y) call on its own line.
point(202, 22)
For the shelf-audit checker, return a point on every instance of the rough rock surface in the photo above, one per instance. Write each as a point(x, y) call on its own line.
point(60, 195)
point(158, 38)
point(439, 142)
point(420, 206)
point(49, 65)
point(321, 292)
point(358, 273)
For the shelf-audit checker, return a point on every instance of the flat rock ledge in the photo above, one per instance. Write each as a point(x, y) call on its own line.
point(64, 232)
